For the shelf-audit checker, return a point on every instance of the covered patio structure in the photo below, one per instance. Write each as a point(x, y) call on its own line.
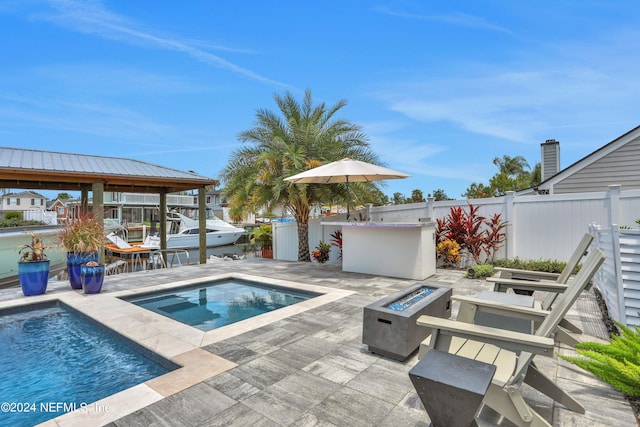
point(47, 170)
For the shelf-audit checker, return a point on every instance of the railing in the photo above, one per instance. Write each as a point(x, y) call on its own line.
point(150, 199)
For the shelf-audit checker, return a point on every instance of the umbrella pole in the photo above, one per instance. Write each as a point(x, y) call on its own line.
point(348, 214)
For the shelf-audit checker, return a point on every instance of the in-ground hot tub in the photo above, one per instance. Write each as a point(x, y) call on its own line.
point(389, 325)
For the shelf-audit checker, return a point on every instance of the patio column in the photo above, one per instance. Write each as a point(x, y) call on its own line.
point(202, 223)
point(97, 189)
point(163, 218)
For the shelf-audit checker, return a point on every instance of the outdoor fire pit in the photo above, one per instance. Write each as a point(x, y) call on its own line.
point(389, 325)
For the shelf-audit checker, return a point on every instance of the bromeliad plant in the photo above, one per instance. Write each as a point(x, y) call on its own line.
point(35, 251)
point(321, 253)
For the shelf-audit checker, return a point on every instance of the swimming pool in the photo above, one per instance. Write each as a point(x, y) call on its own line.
point(55, 360)
point(211, 305)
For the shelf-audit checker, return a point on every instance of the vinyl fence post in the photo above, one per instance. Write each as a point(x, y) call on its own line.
point(430, 203)
point(509, 200)
point(617, 268)
point(614, 204)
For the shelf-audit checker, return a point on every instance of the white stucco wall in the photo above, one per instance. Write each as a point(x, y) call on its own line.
point(405, 250)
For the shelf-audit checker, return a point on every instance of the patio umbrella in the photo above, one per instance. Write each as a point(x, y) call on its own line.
point(346, 170)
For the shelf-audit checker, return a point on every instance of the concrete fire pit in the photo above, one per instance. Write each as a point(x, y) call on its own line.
point(389, 325)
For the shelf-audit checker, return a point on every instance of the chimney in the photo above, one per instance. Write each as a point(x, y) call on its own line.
point(550, 158)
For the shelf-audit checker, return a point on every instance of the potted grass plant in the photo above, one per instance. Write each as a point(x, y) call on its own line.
point(33, 266)
point(82, 238)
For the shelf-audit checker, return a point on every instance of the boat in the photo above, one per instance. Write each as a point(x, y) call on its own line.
point(11, 238)
point(184, 232)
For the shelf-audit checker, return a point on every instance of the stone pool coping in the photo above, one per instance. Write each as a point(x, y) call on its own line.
point(168, 338)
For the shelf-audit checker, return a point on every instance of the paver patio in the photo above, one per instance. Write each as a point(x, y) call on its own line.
point(311, 369)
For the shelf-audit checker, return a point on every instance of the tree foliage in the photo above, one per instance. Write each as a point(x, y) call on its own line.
point(514, 174)
point(299, 137)
point(440, 194)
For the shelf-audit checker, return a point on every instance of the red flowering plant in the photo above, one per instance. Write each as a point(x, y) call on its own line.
point(321, 253)
point(336, 240)
point(472, 232)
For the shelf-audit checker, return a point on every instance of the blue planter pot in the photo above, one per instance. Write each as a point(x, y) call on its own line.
point(74, 261)
point(92, 278)
point(33, 277)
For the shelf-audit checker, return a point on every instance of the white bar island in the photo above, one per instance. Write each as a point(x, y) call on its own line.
point(396, 249)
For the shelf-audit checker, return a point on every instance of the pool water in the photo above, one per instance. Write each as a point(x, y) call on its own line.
point(54, 360)
point(215, 304)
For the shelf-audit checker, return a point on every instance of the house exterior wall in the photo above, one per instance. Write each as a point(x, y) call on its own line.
point(21, 202)
point(60, 209)
point(619, 166)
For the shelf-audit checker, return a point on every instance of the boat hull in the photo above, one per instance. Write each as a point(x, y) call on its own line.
point(214, 239)
point(187, 232)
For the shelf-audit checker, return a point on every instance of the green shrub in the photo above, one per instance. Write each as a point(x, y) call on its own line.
point(479, 271)
point(17, 222)
point(12, 215)
point(617, 363)
point(549, 266)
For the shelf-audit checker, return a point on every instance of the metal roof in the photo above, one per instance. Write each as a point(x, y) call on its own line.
point(35, 169)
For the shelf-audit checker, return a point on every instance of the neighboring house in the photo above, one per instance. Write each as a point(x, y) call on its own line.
point(618, 162)
point(60, 208)
point(24, 201)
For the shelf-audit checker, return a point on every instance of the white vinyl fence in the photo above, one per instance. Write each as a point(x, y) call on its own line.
point(285, 238)
point(49, 218)
point(540, 227)
point(618, 280)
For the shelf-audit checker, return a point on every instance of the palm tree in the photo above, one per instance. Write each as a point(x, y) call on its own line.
point(301, 137)
point(511, 166)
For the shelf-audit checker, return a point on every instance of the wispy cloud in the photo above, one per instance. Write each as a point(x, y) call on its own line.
point(91, 17)
point(421, 162)
point(521, 105)
point(453, 18)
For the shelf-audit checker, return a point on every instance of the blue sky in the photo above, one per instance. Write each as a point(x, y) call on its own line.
point(440, 88)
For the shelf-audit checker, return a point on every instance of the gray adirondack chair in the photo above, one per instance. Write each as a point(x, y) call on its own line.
point(552, 283)
point(512, 352)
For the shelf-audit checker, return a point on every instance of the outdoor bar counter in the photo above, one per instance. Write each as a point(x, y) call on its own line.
point(396, 249)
